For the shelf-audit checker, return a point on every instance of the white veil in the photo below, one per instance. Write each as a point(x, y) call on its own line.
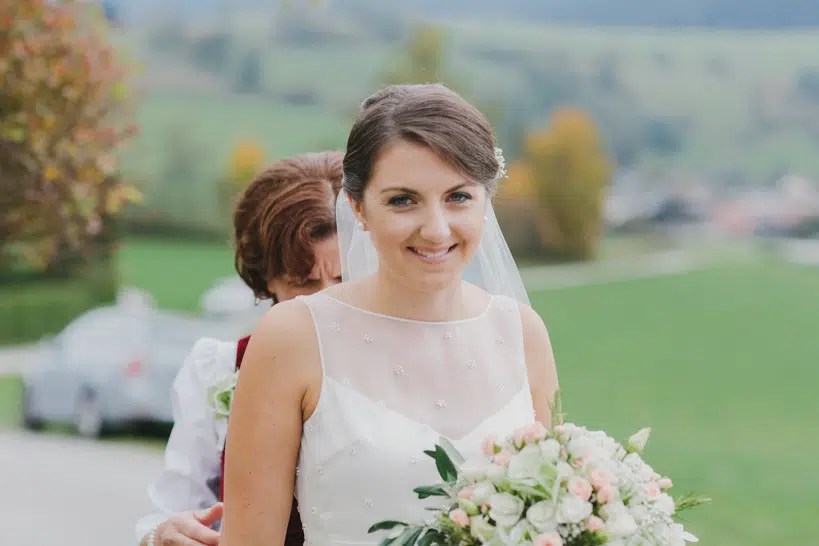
point(492, 268)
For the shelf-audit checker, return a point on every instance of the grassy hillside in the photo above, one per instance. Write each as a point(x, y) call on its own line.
point(710, 82)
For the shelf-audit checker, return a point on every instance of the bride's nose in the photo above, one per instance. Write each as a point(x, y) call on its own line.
point(435, 226)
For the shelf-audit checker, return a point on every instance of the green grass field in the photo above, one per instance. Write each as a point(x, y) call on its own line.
point(175, 273)
point(721, 363)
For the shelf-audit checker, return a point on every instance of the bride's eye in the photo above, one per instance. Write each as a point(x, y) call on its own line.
point(460, 197)
point(400, 201)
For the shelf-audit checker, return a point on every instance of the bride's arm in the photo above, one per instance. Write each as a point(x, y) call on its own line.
point(265, 427)
point(540, 363)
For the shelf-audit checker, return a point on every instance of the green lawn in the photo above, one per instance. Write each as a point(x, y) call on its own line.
point(10, 398)
point(176, 273)
point(722, 364)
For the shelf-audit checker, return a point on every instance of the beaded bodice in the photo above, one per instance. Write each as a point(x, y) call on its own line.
point(391, 387)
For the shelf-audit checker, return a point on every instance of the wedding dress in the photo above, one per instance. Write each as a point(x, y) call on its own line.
point(391, 387)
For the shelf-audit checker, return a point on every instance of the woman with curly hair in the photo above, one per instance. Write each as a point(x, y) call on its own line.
point(285, 246)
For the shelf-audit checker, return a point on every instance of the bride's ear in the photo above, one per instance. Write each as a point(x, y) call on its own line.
point(358, 210)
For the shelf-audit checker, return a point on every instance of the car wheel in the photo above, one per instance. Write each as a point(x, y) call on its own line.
point(30, 422)
point(89, 422)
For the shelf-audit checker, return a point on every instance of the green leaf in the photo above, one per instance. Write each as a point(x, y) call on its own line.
point(686, 502)
point(385, 525)
point(446, 468)
point(425, 491)
point(432, 537)
point(454, 455)
point(556, 408)
point(408, 537)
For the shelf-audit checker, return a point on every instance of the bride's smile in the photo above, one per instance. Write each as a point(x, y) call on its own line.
point(425, 218)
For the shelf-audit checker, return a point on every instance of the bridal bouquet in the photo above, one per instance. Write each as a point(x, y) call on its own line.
point(564, 486)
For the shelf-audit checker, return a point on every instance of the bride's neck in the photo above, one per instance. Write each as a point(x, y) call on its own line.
point(396, 299)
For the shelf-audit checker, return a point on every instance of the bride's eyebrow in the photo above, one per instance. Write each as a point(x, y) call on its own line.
point(415, 192)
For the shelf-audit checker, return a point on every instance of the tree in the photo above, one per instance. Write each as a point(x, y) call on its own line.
point(424, 60)
point(63, 115)
point(245, 161)
point(569, 173)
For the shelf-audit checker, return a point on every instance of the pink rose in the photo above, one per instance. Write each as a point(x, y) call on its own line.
point(466, 493)
point(501, 459)
point(653, 490)
point(580, 488)
point(594, 524)
point(579, 462)
point(547, 539)
point(488, 446)
point(600, 477)
point(665, 483)
point(460, 517)
point(606, 494)
point(532, 433)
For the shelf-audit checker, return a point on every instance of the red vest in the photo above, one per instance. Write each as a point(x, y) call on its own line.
point(295, 534)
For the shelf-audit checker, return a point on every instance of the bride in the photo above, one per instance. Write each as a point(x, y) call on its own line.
point(342, 391)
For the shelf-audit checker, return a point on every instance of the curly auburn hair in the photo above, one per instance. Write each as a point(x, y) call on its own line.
point(286, 209)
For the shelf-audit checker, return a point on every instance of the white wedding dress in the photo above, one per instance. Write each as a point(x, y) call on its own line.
point(391, 388)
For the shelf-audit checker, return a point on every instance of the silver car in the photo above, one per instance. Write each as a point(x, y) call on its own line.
point(111, 366)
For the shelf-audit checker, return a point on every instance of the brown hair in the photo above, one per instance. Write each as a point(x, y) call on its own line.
point(285, 210)
point(428, 114)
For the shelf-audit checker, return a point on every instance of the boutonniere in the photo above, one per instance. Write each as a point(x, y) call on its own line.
point(220, 395)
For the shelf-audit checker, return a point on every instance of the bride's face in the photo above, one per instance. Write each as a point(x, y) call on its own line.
point(424, 217)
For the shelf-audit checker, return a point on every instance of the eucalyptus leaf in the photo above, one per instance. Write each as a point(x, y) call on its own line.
point(385, 525)
point(432, 537)
point(446, 468)
point(425, 491)
point(451, 450)
point(408, 537)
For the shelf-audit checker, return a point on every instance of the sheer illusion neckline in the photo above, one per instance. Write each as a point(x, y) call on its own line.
point(479, 316)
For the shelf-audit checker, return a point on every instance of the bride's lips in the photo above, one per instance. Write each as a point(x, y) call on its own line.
point(432, 255)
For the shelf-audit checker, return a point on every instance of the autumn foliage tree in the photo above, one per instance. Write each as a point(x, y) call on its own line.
point(563, 175)
point(64, 110)
point(245, 161)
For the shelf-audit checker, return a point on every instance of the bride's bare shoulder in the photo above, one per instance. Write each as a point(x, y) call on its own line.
point(285, 332)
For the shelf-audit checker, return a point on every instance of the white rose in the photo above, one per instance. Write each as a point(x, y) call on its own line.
point(475, 468)
point(678, 536)
point(481, 529)
point(525, 464)
point(496, 473)
point(549, 449)
point(573, 509)
point(639, 513)
point(564, 470)
point(621, 524)
point(468, 506)
point(520, 533)
point(543, 516)
point(665, 504)
point(580, 447)
point(482, 491)
point(611, 510)
point(637, 442)
point(505, 509)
